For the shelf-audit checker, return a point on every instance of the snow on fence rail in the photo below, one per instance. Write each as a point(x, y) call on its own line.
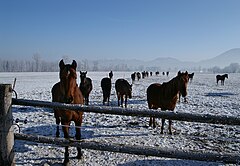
point(7, 137)
point(137, 150)
point(180, 116)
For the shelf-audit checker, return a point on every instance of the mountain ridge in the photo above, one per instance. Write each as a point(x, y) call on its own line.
point(170, 63)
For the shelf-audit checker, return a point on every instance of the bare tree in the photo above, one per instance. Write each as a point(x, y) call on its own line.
point(37, 58)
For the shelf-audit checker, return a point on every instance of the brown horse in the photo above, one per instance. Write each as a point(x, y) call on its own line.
point(222, 78)
point(67, 91)
point(165, 96)
point(123, 88)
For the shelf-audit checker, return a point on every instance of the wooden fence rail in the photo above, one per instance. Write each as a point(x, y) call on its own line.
point(135, 149)
point(180, 116)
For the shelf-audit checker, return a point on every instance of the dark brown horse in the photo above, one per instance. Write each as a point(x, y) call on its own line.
point(85, 86)
point(167, 73)
point(123, 88)
point(138, 76)
point(165, 96)
point(191, 76)
point(222, 78)
point(67, 91)
point(106, 85)
point(133, 77)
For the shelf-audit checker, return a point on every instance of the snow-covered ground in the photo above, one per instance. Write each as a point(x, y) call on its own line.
point(204, 96)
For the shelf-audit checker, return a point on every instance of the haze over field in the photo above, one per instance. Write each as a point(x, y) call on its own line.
point(228, 62)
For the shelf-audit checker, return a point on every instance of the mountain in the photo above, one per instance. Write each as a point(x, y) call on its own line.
point(161, 64)
point(222, 60)
point(167, 63)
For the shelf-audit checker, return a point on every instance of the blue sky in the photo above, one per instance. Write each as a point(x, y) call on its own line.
point(127, 29)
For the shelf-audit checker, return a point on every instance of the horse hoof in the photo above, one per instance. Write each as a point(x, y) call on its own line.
point(66, 162)
point(57, 135)
point(79, 156)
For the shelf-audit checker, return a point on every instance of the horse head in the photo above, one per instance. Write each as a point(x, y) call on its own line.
point(68, 81)
point(183, 82)
point(226, 75)
point(83, 75)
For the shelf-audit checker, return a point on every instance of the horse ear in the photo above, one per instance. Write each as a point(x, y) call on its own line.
point(61, 64)
point(74, 64)
point(179, 73)
point(186, 73)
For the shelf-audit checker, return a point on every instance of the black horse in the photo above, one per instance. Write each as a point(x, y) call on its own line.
point(85, 86)
point(110, 74)
point(222, 78)
point(190, 76)
point(106, 89)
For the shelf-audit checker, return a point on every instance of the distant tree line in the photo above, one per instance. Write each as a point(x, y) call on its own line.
point(232, 68)
point(36, 64)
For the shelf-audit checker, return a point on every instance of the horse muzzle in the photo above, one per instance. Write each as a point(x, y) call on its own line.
point(69, 100)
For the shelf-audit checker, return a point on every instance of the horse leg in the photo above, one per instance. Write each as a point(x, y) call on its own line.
point(154, 122)
point(122, 100)
point(87, 100)
point(125, 101)
point(170, 126)
point(108, 101)
point(179, 97)
point(185, 99)
point(66, 136)
point(78, 137)
point(162, 127)
point(150, 121)
point(58, 123)
point(118, 100)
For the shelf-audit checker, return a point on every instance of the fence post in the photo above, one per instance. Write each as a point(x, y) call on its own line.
point(6, 129)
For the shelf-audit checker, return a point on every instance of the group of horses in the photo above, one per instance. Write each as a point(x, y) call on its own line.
point(164, 96)
point(145, 74)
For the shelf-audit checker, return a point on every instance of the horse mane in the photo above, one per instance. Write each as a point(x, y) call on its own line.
point(170, 88)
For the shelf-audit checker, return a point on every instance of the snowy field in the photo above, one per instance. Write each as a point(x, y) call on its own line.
point(204, 96)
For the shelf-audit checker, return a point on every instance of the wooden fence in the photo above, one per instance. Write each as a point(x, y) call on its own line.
point(7, 142)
